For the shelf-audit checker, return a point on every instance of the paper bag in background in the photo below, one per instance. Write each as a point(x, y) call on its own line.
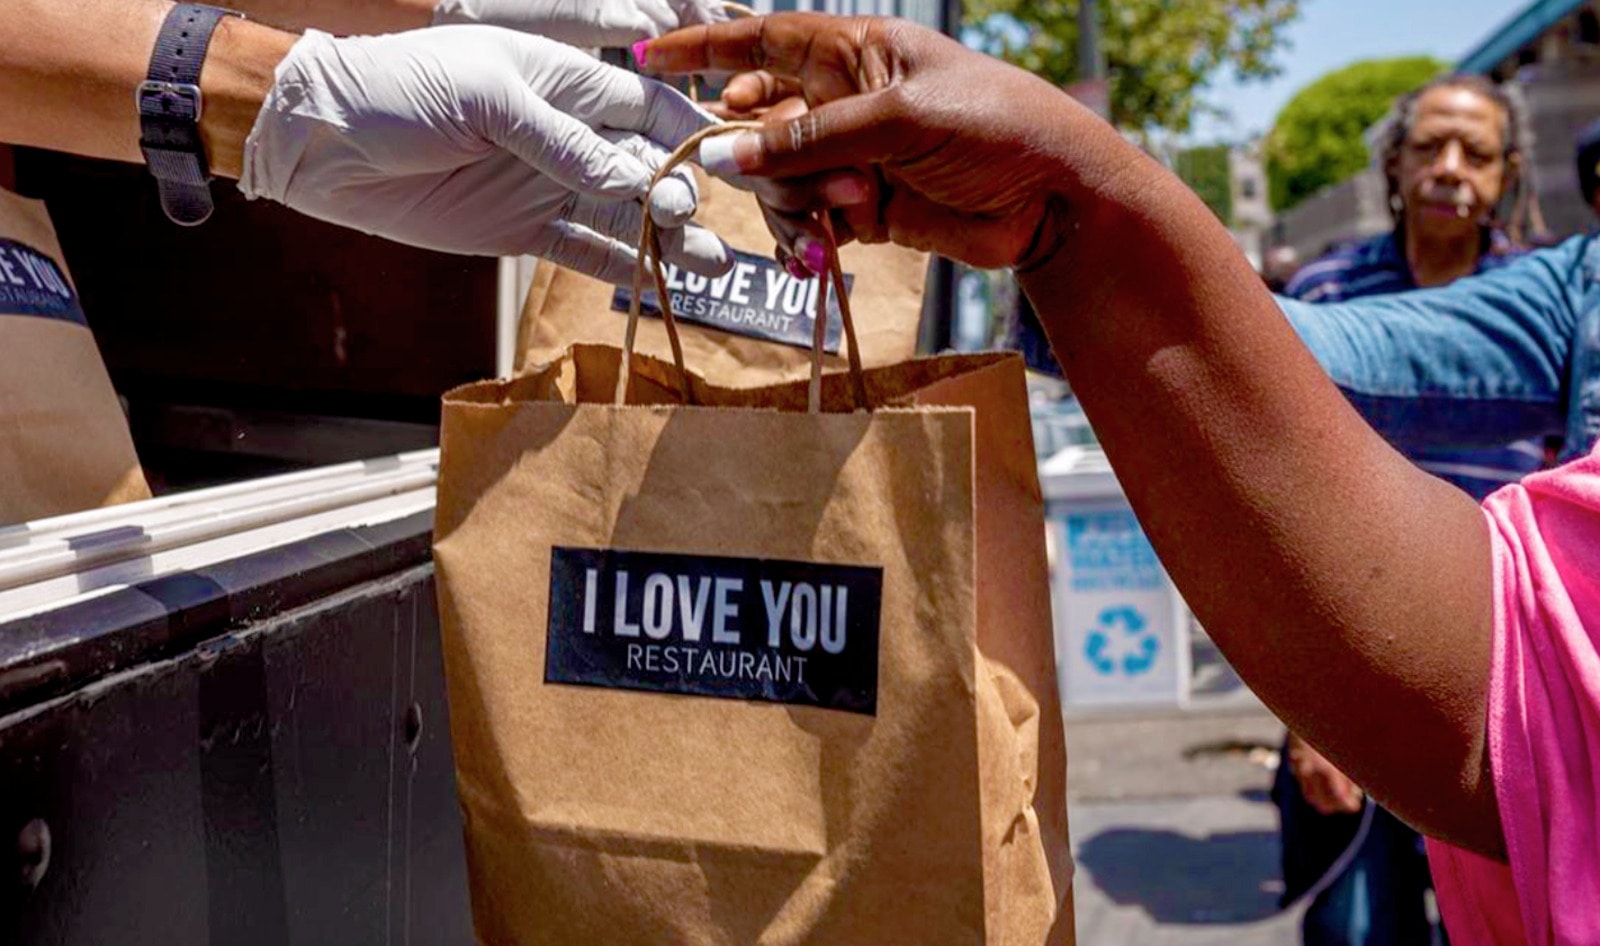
point(64, 444)
point(738, 673)
point(728, 325)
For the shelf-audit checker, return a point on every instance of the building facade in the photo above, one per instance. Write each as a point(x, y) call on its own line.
point(1251, 223)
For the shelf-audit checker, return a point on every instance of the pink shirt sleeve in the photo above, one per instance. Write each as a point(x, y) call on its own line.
point(1544, 722)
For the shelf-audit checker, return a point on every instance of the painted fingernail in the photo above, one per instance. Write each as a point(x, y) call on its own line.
point(812, 253)
point(797, 269)
point(845, 191)
point(727, 155)
point(641, 52)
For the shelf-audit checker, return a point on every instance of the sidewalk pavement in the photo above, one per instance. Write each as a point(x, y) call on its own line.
point(1175, 840)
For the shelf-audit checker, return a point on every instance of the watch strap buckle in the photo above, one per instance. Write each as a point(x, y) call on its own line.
point(155, 99)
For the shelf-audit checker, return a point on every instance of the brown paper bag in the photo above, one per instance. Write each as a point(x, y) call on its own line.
point(64, 445)
point(730, 339)
point(740, 673)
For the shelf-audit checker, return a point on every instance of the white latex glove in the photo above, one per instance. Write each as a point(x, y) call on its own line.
point(483, 141)
point(587, 23)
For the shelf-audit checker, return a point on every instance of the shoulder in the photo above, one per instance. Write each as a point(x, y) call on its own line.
point(1581, 251)
point(1502, 252)
point(1544, 692)
point(1563, 279)
point(1350, 270)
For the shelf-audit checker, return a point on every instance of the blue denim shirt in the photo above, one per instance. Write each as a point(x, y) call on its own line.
point(1378, 266)
point(1503, 356)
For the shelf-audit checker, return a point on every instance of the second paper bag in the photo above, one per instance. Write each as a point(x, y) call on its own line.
point(740, 673)
point(751, 326)
point(64, 444)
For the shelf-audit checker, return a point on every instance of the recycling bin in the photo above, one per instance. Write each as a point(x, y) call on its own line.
point(1121, 629)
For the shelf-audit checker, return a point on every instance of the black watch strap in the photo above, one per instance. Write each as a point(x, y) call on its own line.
point(169, 113)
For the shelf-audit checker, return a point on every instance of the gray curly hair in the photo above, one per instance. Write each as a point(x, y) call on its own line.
point(1523, 202)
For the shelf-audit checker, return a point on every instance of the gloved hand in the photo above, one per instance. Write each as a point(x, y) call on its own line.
point(483, 141)
point(586, 23)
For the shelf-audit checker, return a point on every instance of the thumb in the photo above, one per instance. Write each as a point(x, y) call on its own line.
point(856, 131)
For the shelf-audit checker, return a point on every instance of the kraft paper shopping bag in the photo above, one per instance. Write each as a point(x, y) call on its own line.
point(751, 326)
point(735, 665)
point(64, 444)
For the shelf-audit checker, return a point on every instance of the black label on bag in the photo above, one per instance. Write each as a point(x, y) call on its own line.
point(32, 284)
point(756, 298)
point(739, 628)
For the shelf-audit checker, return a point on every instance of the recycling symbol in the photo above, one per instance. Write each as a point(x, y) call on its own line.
point(1121, 638)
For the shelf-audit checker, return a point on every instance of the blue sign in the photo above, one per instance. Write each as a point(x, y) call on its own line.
point(757, 298)
point(32, 284)
point(1108, 552)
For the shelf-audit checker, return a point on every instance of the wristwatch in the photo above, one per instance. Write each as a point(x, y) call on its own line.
point(169, 113)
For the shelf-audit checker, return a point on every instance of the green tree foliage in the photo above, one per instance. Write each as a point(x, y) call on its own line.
point(1317, 138)
point(1205, 170)
point(1160, 54)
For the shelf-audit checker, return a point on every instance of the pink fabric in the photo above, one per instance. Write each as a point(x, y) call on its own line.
point(1544, 722)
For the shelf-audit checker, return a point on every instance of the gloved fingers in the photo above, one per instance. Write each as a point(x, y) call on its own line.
point(693, 247)
point(697, 250)
point(784, 206)
point(613, 24)
point(697, 12)
point(661, 112)
point(568, 151)
point(668, 15)
point(603, 96)
point(673, 200)
point(602, 23)
point(663, 18)
point(578, 248)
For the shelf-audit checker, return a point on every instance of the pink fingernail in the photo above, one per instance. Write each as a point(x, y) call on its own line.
point(812, 253)
point(731, 155)
point(845, 192)
point(797, 269)
point(641, 52)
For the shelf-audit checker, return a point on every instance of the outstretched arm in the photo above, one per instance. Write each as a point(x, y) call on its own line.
point(466, 139)
point(349, 17)
point(1298, 536)
point(69, 68)
point(610, 23)
point(1484, 360)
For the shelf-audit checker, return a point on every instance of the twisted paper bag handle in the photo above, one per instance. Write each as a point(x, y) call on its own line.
point(650, 254)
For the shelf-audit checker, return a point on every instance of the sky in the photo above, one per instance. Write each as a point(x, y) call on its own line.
point(1334, 33)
